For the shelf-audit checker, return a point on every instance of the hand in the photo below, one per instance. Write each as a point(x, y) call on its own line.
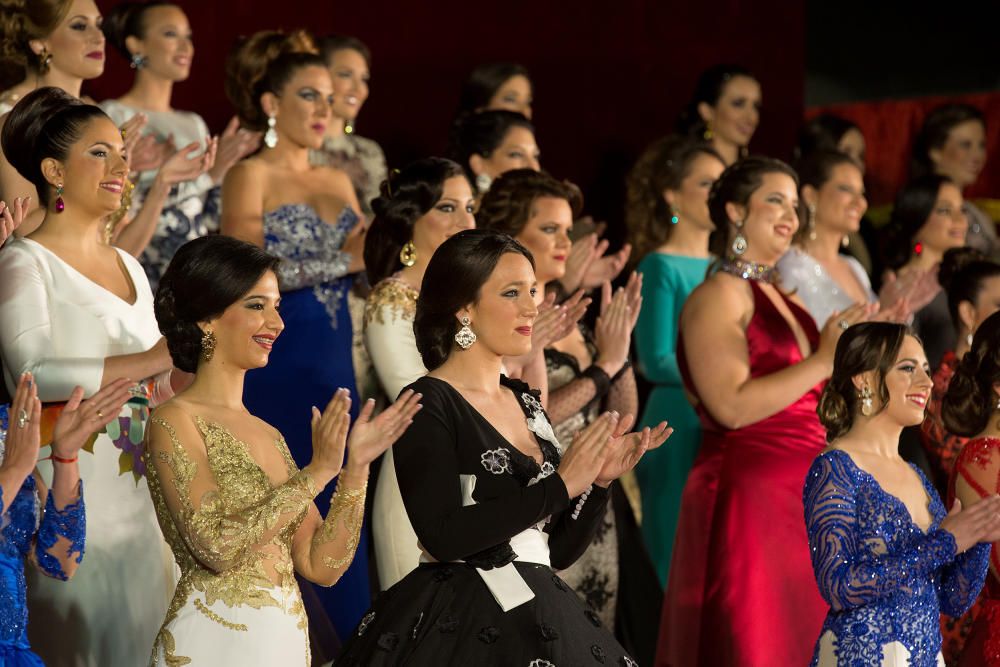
point(979, 523)
point(235, 143)
point(585, 457)
point(552, 324)
point(584, 251)
point(329, 436)
point(625, 449)
point(80, 419)
point(916, 287)
point(149, 153)
point(606, 268)
point(613, 332)
point(181, 167)
point(23, 442)
point(832, 330)
point(370, 437)
point(354, 243)
point(12, 217)
point(132, 132)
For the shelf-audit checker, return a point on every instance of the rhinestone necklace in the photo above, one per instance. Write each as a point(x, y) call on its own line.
point(750, 270)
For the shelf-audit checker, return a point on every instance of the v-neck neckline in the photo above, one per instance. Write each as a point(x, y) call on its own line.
point(121, 265)
point(897, 499)
point(794, 309)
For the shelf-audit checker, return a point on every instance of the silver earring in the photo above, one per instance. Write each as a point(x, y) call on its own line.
point(866, 401)
point(845, 241)
point(137, 61)
point(465, 336)
point(483, 182)
point(740, 242)
point(271, 136)
point(968, 339)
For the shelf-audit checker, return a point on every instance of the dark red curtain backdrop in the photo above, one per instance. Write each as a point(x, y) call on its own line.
point(609, 77)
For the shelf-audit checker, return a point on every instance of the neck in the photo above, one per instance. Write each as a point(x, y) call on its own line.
point(150, 92)
point(729, 152)
point(218, 383)
point(414, 275)
point(689, 240)
point(963, 345)
point(336, 127)
point(69, 84)
point(476, 369)
point(293, 157)
point(826, 245)
point(927, 259)
point(876, 435)
point(72, 228)
point(992, 429)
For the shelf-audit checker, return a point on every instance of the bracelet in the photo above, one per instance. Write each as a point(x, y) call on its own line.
point(59, 459)
point(621, 371)
point(600, 379)
point(580, 502)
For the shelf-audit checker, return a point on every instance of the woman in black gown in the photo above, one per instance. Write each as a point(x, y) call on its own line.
point(496, 502)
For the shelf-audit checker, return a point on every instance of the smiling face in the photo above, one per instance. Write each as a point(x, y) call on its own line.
point(247, 329)
point(908, 382)
point(770, 218)
point(518, 150)
point(166, 43)
point(840, 202)
point(505, 312)
point(546, 235)
point(964, 153)
point(946, 227)
point(302, 109)
point(93, 171)
point(349, 71)
point(77, 43)
point(690, 200)
point(513, 95)
point(735, 116)
point(451, 214)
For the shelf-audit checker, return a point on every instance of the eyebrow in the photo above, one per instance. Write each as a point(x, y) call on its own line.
point(255, 296)
point(107, 145)
point(519, 282)
point(908, 359)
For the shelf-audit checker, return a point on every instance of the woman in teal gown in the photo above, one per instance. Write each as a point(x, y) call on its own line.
point(669, 225)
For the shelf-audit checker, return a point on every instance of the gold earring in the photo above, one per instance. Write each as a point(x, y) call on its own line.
point(866, 401)
point(207, 345)
point(408, 254)
point(708, 134)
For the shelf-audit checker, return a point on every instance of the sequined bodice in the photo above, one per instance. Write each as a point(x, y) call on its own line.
point(296, 232)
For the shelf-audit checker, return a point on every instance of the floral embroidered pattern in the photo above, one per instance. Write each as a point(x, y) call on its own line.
point(538, 662)
point(391, 298)
point(496, 461)
point(365, 622)
point(309, 247)
point(126, 434)
point(69, 523)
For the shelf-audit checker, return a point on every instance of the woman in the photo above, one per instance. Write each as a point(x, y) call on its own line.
point(349, 61)
point(307, 216)
point(927, 220)
point(724, 110)
point(75, 311)
point(494, 86)
point(494, 503)
point(489, 143)
point(155, 38)
point(236, 509)
point(740, 588)
point(51, 539)
point(952, 143)
point(969, 409)
point(669, 225)
point(887, 555)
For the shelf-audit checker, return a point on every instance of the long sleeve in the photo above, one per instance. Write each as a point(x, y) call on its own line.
point(220, 537)
point(962, 580)
point(61, 536)
point(847, 575)
point(569, 537)
point(656, 330)
point(389, 336)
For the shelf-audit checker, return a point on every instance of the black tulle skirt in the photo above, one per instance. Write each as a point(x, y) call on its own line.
point(443, 614)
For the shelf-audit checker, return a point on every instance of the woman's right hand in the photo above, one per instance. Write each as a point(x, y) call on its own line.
point(79, 419)
point(23, 437)
point(613, 331)
point(584, 459)
point(329, 436)
point(979, 523)
point(834, 328)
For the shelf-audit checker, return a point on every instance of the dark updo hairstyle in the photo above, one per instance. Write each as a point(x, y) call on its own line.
point(662, 166)
point(822, 133)
point(480, 134)
point(333, 43)
point(205, 276)
point(264, 63)
point(404, 198)
point(869, 346)
point(736, 185)
point(970, 399)
point(934, 134)
point(484, 82)
point(815, 169)
point(962, 275)
point(707, 89)
point(914, 205)
point(22, 21)
point(454, 277)
point(507, 207)
point(45, 123)
point(128, 20)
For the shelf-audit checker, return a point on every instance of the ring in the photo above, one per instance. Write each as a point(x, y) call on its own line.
point(843, 324)
point(100, 415)
point(22, 419)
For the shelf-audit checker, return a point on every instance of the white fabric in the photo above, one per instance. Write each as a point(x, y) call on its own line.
point(819, 292)
point(60, 325)
point(894, 654)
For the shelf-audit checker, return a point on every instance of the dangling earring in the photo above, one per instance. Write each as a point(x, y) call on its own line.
point(408, 254)
point(465, 336)
point(348, 127)
point(707, 134)
point(674, 217)
point(866, 401)
point(60, 204)
point(207, 345)
point(44, 61)
point(271, 136)
point(137, 61)
point(811, 222)
point(918, 248)
point(968, 339)
point(483, 182)
point(739, 242)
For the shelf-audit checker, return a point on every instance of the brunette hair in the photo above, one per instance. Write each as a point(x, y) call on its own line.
point(405, 196)
point(454, 278)
point(128, 20)
point(333, 43)
point(914, 205)
point(205, 276)
point(970, 399)
point(822, 133)
point(484, 81)
point(962, 274)
point(707, 89)
point(869, 346)
point(815, 169)
point(507, 206)
point(20, 22)
point(264, 63)
point(934, 133)
point(45, 123)
point(480, 133)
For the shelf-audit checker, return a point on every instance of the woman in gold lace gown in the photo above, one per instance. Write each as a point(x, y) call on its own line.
point(235, 509)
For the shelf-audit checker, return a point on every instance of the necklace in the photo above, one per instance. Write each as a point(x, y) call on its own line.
point(750, 270)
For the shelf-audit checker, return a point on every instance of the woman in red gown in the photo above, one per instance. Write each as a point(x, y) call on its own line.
point(741, 588)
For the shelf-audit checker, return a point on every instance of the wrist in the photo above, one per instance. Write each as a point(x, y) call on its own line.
point(611, 367)
point(603, 483)
point(321, 475)
point(64, 455)
point(353, 476)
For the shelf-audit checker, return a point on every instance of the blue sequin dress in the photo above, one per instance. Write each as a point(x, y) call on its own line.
point(310, 360)
point(886, 580)
point(23, 527)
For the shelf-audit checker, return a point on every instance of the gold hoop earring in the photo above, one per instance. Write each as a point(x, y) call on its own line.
point(408, 254)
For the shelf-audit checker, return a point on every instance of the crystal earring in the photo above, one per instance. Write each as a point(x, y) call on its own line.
point(271, 136)
point(483, 182)
point(137, 61)
point(465, 336)
point(866, 401)
point(60, 204)
point(674, 217)
point(739, 242)
point(408, 254)
point(207, 345)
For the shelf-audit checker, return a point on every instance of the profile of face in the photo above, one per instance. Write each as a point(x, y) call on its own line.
point(840, 202)
point(964, 153)
point(690, 200)
point(853, 144)
point(908, 383)
point(93, 172)
point(546, 235)
point(770, 218)
point(505, 311)
point(77, 43)
point(947, 226)
point(302, 108)
point(514, 94)
point(246, 331)
point(517, 150)
point(349, 71)
point(166, 43)
point(451, 214)
point(987, 302)
point(736, 113)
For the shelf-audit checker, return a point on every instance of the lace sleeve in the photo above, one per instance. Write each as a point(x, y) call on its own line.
point(336, 540)
point(962, 580)
point(61, 536)
point(848, 576)
point(219, 538)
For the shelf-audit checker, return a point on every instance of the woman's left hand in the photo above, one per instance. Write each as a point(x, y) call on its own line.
point(626, 449)
point(80, 419)
point(370, 437)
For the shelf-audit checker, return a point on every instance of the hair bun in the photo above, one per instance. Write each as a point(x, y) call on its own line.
point(956, 259)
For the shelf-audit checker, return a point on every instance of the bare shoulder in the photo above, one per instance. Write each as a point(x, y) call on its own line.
point(720, 297)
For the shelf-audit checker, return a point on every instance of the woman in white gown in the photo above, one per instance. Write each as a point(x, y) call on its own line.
point(74, 311)
point(236, 510)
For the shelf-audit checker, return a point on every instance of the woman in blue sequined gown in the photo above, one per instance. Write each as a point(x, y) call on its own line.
point(887, 556)
point(307, 216)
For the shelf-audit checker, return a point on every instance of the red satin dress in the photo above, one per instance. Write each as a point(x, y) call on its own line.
point(741, 588)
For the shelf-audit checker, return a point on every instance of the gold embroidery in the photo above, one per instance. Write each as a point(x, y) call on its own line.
point(168, 650)
point(239, 627)
point(394, 296)
point(347, 509)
